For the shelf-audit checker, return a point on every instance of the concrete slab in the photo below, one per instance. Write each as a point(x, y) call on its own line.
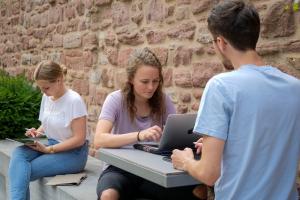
point(38, 189)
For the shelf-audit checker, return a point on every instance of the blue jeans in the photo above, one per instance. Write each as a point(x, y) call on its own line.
point(28, 165)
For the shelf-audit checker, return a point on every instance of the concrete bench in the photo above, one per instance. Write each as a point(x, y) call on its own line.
point(40, 191)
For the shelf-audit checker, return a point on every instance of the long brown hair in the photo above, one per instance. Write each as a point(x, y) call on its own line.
point(138, 58)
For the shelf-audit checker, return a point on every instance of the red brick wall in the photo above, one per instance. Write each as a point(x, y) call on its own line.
point(93, 38)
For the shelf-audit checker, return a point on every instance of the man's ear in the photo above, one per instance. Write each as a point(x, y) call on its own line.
point(222, 43)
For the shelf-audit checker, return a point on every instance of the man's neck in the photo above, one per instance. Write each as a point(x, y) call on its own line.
point(240, 58)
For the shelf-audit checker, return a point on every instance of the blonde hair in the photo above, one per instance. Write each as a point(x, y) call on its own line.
point(138, 58)
point(49, 70)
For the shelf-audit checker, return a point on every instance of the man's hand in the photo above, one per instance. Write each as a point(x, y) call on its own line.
point(180, 158)
point(198, 145)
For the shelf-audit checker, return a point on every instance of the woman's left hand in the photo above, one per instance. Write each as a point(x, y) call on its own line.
point(39, 147)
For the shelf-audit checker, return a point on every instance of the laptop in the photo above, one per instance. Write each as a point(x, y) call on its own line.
point(177, 134)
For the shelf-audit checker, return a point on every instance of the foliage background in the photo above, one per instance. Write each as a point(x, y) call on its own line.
point(19, 105)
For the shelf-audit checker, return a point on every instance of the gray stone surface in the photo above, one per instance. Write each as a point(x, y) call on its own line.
point(40, 191)
point(149, 166)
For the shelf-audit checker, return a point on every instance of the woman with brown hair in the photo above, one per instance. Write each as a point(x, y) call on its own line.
point(135, 113)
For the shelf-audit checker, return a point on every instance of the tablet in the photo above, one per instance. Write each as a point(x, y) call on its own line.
point(26, 141)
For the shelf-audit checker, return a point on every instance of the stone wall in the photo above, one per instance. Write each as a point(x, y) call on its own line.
point(93, 38)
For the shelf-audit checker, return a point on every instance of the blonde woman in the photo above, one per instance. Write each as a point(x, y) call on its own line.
point(63, 120)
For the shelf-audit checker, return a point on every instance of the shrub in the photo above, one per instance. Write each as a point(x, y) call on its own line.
point(19, 105)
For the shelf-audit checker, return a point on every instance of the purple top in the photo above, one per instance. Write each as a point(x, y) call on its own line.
point(113, 110)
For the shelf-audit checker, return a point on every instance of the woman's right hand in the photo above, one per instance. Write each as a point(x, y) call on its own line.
point(32, 132)
point(151, 134)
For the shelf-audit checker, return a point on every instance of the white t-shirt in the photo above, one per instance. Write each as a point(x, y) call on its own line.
point(56, 115)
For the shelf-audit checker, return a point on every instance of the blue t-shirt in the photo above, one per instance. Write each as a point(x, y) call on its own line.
point(256, 111)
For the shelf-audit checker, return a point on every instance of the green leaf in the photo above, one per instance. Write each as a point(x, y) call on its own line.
point(19, 105)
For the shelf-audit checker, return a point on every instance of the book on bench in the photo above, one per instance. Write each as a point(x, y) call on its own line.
point(67, 179)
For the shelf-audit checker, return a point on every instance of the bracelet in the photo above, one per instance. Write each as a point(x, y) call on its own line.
point(51, 150)
point(92, 146)
point(137, 136)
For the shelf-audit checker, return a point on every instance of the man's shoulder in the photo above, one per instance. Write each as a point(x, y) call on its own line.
point(224, 77)
point(227, 74)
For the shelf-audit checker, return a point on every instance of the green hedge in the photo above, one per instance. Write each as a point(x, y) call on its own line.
point(19, 105)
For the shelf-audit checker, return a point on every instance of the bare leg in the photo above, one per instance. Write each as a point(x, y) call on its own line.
point(109, 194)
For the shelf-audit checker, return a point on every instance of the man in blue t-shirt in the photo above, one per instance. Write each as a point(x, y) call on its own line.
point(249, 117)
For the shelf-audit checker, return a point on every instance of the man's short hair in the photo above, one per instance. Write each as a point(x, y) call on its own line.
point(236, 21)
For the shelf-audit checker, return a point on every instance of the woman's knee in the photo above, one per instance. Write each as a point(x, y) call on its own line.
point(17, 156)
point(109, 194)
point(24, 153)
point(18, 151)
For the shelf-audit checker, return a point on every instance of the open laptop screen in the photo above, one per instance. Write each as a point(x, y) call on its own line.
point(177, 134)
